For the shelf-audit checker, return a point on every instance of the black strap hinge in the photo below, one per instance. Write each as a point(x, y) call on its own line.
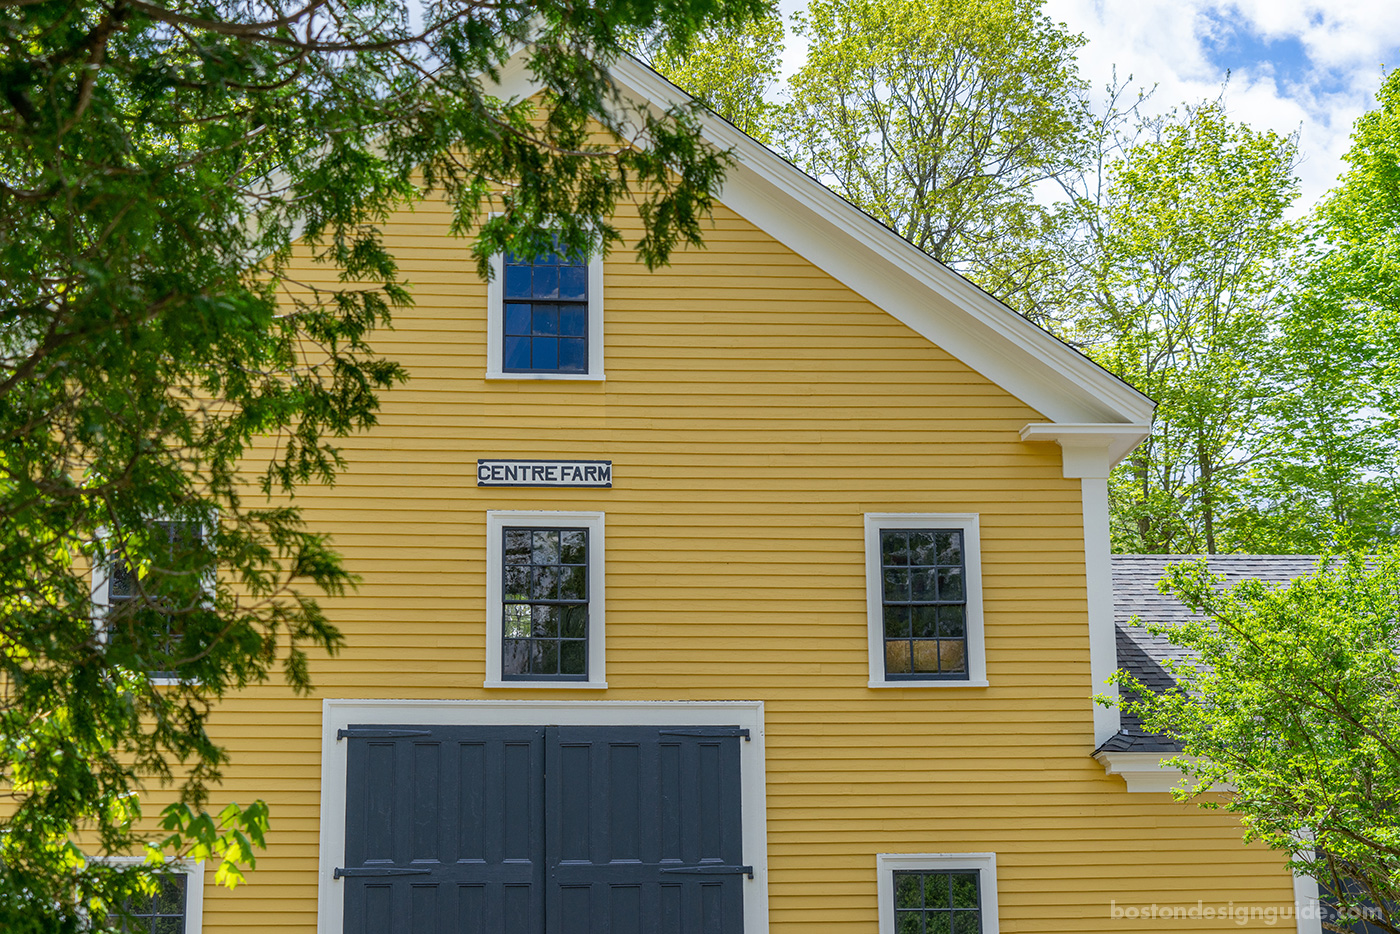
point(374, 733)
point(711, 731)
point(712, 870)
point(377, 871)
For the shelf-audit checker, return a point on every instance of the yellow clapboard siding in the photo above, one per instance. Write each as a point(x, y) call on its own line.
point(754, 409)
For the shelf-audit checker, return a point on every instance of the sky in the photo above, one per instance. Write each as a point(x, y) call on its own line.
point(1293, 65)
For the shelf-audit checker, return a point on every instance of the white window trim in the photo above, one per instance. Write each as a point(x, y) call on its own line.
point(886, 864)
point(972, 547)
point(101, 577)
point(338, 714)
point(496, 521)
point(495, 325)
point(194, 886)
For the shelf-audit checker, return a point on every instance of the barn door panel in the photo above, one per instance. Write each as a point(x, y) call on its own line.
point(644, 831)
point(444, 830)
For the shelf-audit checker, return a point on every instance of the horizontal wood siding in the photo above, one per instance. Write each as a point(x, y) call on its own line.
point(753, 409)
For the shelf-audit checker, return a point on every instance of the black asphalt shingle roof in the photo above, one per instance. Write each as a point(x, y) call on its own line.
point(1135, 594)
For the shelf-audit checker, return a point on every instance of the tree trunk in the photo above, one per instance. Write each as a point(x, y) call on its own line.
point(1207, 481)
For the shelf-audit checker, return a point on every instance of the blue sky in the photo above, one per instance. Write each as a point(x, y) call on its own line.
point(1293, 65)
point(1230, 44)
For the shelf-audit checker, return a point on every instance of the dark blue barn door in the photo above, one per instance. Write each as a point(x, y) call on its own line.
point(444, 830)
point(643, 831)
point(543, 830)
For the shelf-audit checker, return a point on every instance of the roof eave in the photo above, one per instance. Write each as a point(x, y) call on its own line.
point(874, 261)
point(889, 271)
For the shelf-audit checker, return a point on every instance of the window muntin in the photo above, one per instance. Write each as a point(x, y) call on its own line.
point(937, 902)
point(546, 315)
point(544, 603)
point(923, 578)
point(163, 912)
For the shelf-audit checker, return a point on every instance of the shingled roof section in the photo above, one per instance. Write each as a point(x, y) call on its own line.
point(1135, 594)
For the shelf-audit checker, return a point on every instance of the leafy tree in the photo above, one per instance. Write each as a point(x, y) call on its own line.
point(732, 70)
point(157, 162)
point(1293, 700)
point(941, 119)
point(1337, 412)
point(1362, 216)
point(1331, 475)
point(1178, 259)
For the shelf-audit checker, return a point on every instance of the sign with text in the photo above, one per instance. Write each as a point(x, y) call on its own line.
point(543, 473)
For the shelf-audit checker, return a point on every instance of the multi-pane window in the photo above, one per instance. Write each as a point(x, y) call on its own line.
point(937, 903)
point(131, 605)
point(544, 592)
point(161, 913)
point(924, 594)
point(546, 314)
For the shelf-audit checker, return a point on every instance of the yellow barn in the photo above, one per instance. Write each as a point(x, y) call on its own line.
point(766, 592)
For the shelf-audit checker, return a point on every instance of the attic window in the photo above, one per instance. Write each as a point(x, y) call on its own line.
point(546, 315)
point(545, 318)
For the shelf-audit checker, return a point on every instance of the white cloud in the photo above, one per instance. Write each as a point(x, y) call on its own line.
point(1297, 65)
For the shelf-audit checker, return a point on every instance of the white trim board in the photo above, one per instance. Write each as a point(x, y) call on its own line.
point(1098, 593)
point(1143, 771)
point(1088, 453)
point(875, 262)
point(1307, 905)
point(339, 713)
point(1088, 450)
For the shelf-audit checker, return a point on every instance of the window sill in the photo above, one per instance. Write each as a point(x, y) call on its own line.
point(920, 685)
point(163, 682)
point(569, 377)
point(548, 685)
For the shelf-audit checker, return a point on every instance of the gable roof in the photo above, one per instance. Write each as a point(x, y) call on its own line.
point(1145, 655)
point(889, 271)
